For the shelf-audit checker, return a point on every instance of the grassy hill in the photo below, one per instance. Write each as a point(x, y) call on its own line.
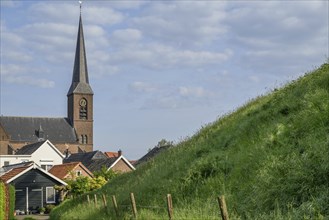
point(270, 158)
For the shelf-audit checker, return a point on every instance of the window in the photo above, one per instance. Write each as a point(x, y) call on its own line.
point(46, 166)
point(78, 172)
point(83, 139)
point(50, 195)
point(86, 139)
point(6, 163)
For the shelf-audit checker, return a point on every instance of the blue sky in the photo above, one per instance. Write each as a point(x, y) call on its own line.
point(159, 69)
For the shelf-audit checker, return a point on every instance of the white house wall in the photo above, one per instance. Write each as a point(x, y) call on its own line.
point(47, 155)
point(12, 159)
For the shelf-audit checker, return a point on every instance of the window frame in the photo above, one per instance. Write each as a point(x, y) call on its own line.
point(47, 195)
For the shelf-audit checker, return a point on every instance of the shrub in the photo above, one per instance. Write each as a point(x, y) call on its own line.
point(2, 200)
point(49, 208)
point(11, 201)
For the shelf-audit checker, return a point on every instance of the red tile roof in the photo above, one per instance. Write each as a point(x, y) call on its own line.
point(111, 154)
point(63, 170)
point(14, 172)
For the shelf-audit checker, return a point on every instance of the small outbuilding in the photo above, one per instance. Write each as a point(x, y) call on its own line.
point(35, 187)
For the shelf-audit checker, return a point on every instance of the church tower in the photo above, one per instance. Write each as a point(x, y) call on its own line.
point(80, 96)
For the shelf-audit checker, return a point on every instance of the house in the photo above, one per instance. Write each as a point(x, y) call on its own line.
point(96, 160)
point(70, 170)
point(43, 153)
point(6, 160)
point(34, 186)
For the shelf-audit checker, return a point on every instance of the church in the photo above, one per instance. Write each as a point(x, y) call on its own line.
point(73, 133)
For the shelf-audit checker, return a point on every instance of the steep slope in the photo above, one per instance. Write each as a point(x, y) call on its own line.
point(270, 158)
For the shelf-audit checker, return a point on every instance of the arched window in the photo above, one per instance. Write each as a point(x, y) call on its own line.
point(83, 109)
point(81, 139)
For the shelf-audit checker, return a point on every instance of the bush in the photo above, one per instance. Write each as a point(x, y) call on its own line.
point(49, 208)
point(11, 201)
point(3, 200)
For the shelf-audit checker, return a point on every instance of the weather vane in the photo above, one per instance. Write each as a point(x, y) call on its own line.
point(80, 2)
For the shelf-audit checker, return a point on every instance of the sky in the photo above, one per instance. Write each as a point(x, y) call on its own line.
point(158, 69)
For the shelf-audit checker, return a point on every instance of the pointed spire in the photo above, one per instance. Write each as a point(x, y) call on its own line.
point(80, 81)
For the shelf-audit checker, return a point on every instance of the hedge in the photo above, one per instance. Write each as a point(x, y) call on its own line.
point(11, 190)
point(3, 201)
point(7, 201)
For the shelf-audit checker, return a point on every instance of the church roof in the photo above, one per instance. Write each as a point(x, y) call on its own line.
point(85, 158)
point(80, 80)
point(57, 130)
point(30, 148)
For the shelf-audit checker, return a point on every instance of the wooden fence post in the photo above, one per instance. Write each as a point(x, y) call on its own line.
point(169, 206)
point(95, 200)
point(222, 206)
point(104, 200)
point(88, 199)
point(133, 205)
point(115, 205)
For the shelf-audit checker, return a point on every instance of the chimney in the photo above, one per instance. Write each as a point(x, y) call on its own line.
point(119, 152)
point(67, 153)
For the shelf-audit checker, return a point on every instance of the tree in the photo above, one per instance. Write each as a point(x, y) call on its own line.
point(81, 185)
point(105, 173)
point(164, 142)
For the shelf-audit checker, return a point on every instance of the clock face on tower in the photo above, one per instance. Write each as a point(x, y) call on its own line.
point(83, 102)
point(83, 108)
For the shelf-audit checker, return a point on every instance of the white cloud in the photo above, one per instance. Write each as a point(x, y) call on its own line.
point(10, 39)
point(127, 4)
point(278, 39)
point(254, 78)
point(68, 12)
point(100, 71)
point(127, 35)
point(157, 56)
point(8, 3)
point(17, 56)
point(26, 80)
point(19, 74)
point(102, 15)
point(11, 69)
point(183, 22)
point(169, 96)
point(142, 87)
point(194, 92)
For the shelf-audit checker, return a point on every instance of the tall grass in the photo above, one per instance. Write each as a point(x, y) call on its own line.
point(270, 158)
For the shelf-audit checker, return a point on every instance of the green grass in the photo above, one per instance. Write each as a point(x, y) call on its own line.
point(270, 158)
